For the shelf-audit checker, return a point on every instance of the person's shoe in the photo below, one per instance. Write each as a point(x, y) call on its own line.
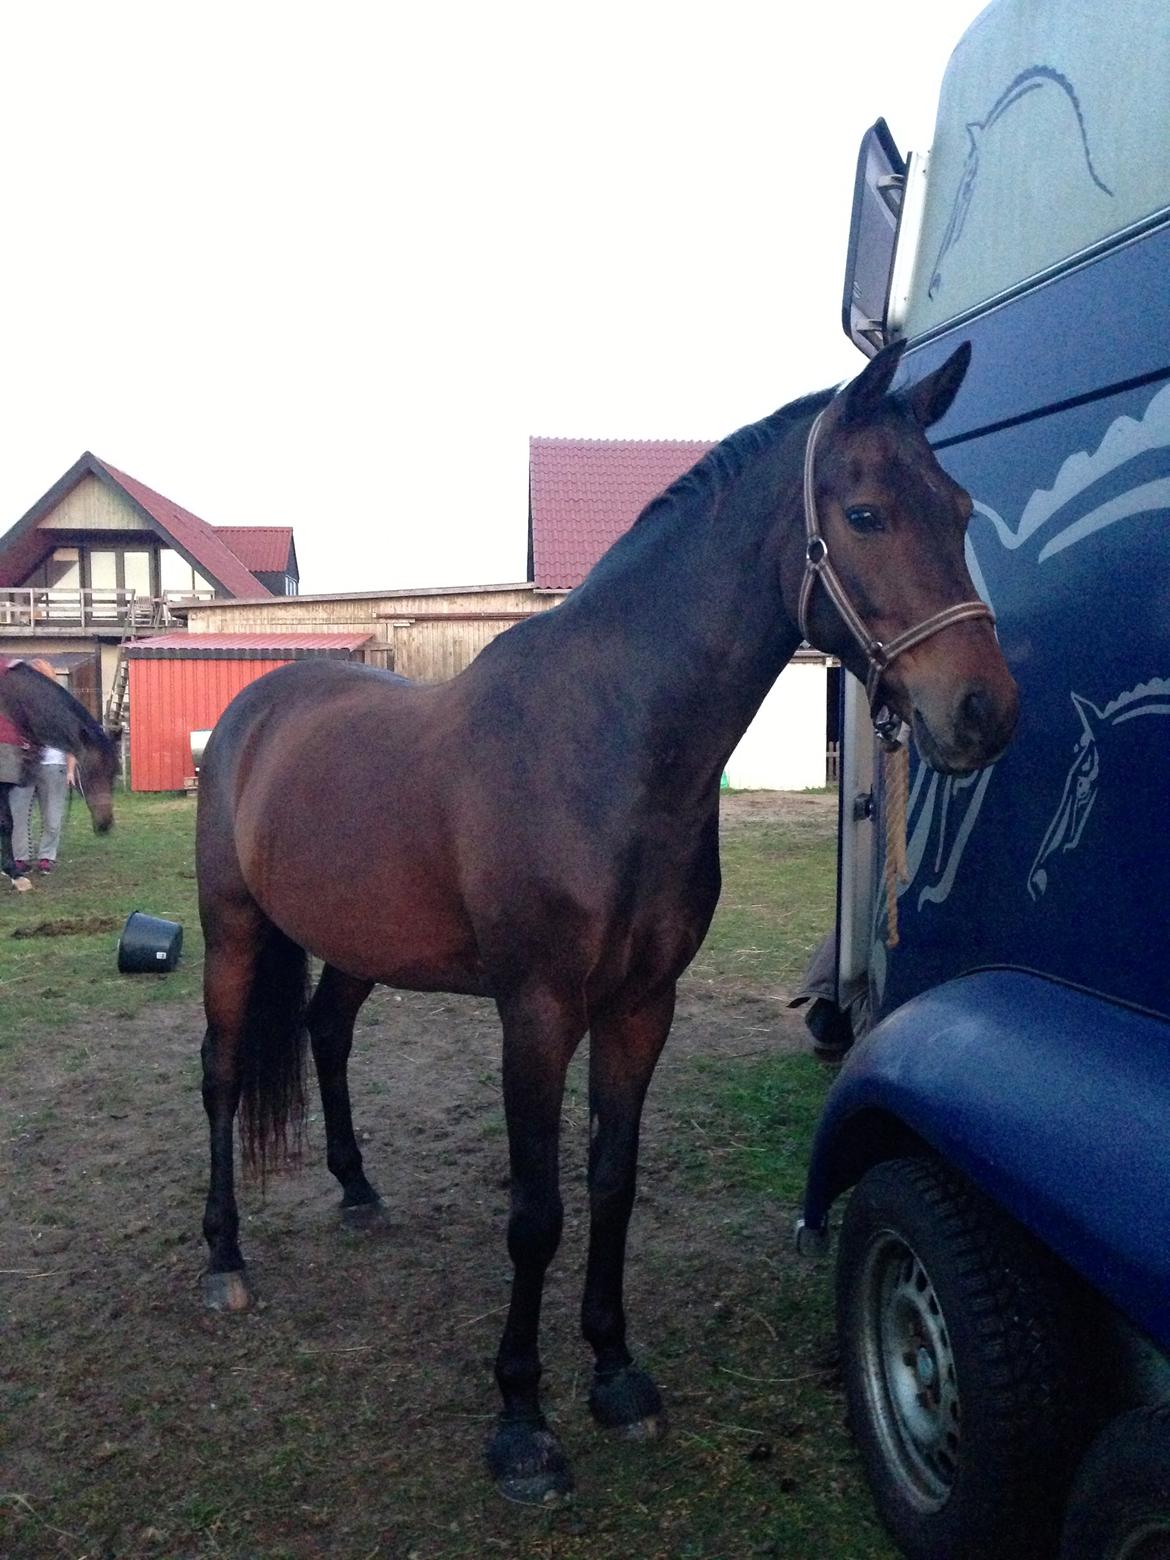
point(45, 865)
point(19, 869)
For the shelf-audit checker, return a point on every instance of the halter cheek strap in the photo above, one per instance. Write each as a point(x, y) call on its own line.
point(819, 570)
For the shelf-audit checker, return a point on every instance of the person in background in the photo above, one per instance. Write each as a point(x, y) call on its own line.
point(50, 787)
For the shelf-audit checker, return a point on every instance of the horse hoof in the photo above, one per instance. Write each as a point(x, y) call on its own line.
point(627, 1402)
point(368, 1218)
point(21, 884)
point(528, 1464)
point(226, 1291)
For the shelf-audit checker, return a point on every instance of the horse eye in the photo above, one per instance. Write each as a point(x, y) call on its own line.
point(864, 519)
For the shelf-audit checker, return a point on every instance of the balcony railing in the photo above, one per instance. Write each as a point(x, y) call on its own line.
point(36, 608)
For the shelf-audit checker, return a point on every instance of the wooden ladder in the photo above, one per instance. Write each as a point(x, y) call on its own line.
point(116, 703)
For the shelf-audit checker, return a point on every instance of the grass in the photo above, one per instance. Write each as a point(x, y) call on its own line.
point(52, 983)
point(778, 888)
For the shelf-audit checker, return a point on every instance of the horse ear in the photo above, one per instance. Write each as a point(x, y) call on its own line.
point(931, 397)
point(864, 394)
point(1091, 716)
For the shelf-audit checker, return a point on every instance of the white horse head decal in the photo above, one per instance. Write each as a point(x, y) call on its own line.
point(1081, 784)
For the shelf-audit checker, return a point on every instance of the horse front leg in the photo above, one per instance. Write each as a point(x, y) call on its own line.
point(332, 1013)
point(624, 1048)
point(541, 1032)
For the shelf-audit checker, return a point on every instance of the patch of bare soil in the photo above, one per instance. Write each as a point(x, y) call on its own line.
point(738, 809)
point(67, 926)
point(337, 1417)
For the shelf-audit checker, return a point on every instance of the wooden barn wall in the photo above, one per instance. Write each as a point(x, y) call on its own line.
point(409, 632)
point(172, 698)
point(432, 652)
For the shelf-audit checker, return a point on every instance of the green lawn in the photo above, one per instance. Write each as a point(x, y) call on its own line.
point(50, 983)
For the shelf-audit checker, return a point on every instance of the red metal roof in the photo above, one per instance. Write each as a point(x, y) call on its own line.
point(258, 547)
point(274, 647)
point(24, 545)
point(585, 493)
point(193, 536)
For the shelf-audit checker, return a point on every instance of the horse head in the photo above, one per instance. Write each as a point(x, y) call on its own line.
point(894, 525)
point(49, 716)
point(1083, 779)
point(97, 769)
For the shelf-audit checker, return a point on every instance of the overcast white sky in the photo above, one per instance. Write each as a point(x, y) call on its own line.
point(331, 265)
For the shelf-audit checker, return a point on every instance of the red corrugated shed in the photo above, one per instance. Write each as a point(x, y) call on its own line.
point(585, 493)
point(259, 547)
point(180, 683)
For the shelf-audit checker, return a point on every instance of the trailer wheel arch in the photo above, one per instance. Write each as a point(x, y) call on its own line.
point(874, 1135)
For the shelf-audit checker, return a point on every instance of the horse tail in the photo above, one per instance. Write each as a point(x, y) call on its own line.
point(272, 1101)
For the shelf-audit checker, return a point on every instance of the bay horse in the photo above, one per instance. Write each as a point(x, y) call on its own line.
point(542, 829)
point(47, 715)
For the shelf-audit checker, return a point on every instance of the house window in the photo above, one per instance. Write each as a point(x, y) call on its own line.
point(113, 572)
point(136, 573)
point(178, 577)
point(60, 571)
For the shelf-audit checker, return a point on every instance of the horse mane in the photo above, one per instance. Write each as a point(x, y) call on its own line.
point(724, 462)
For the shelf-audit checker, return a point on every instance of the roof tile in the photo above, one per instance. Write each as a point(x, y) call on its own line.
point(585, 493)
point(193, 535)
point(258, 547)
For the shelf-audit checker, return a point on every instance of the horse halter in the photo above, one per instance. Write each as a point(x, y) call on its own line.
point(817, 567)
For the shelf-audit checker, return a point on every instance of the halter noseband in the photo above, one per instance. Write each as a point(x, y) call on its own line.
point(818, 567)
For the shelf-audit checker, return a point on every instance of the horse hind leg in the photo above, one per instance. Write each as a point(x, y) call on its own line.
point(255, 993)
point(332, 1013)
point(624, 1049)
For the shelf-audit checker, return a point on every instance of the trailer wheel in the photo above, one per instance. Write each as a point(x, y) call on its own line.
point(1120, 1504)
point(954, 1344)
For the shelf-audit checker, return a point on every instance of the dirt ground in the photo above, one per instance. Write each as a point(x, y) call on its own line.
point(342, 1414)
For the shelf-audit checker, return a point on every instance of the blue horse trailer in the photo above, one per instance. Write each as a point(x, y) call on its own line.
point(1002, 1126)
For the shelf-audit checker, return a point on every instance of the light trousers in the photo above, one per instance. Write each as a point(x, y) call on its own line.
point(51, 789)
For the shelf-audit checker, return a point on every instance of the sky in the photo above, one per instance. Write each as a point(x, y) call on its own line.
point(333, 265)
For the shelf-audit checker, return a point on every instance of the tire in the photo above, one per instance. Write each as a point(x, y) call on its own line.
point(1120, 1503)
point(955, 1347)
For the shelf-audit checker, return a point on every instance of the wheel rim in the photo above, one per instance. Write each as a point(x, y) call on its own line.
point(1149, 1542)
point(908, 1371)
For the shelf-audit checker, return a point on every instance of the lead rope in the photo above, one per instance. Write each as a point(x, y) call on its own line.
point(897, 789)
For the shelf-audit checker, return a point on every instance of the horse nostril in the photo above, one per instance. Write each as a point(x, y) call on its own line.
point(977, 711)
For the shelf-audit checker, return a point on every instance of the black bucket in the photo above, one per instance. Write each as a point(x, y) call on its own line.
point(148, 943)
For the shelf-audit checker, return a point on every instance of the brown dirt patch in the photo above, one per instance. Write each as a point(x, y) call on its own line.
point(68, 926)
point(739, 809)
point(337, 1417)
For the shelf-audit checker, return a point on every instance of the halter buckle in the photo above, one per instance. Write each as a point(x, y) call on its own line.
point(888, 728)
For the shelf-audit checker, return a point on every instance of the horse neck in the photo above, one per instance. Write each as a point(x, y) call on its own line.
point(48, 715)
point(691, 599)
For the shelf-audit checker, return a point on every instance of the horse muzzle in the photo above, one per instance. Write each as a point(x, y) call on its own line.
point(973, 732)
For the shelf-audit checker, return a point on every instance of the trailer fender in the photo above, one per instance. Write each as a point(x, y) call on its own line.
point(1052, 1100)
